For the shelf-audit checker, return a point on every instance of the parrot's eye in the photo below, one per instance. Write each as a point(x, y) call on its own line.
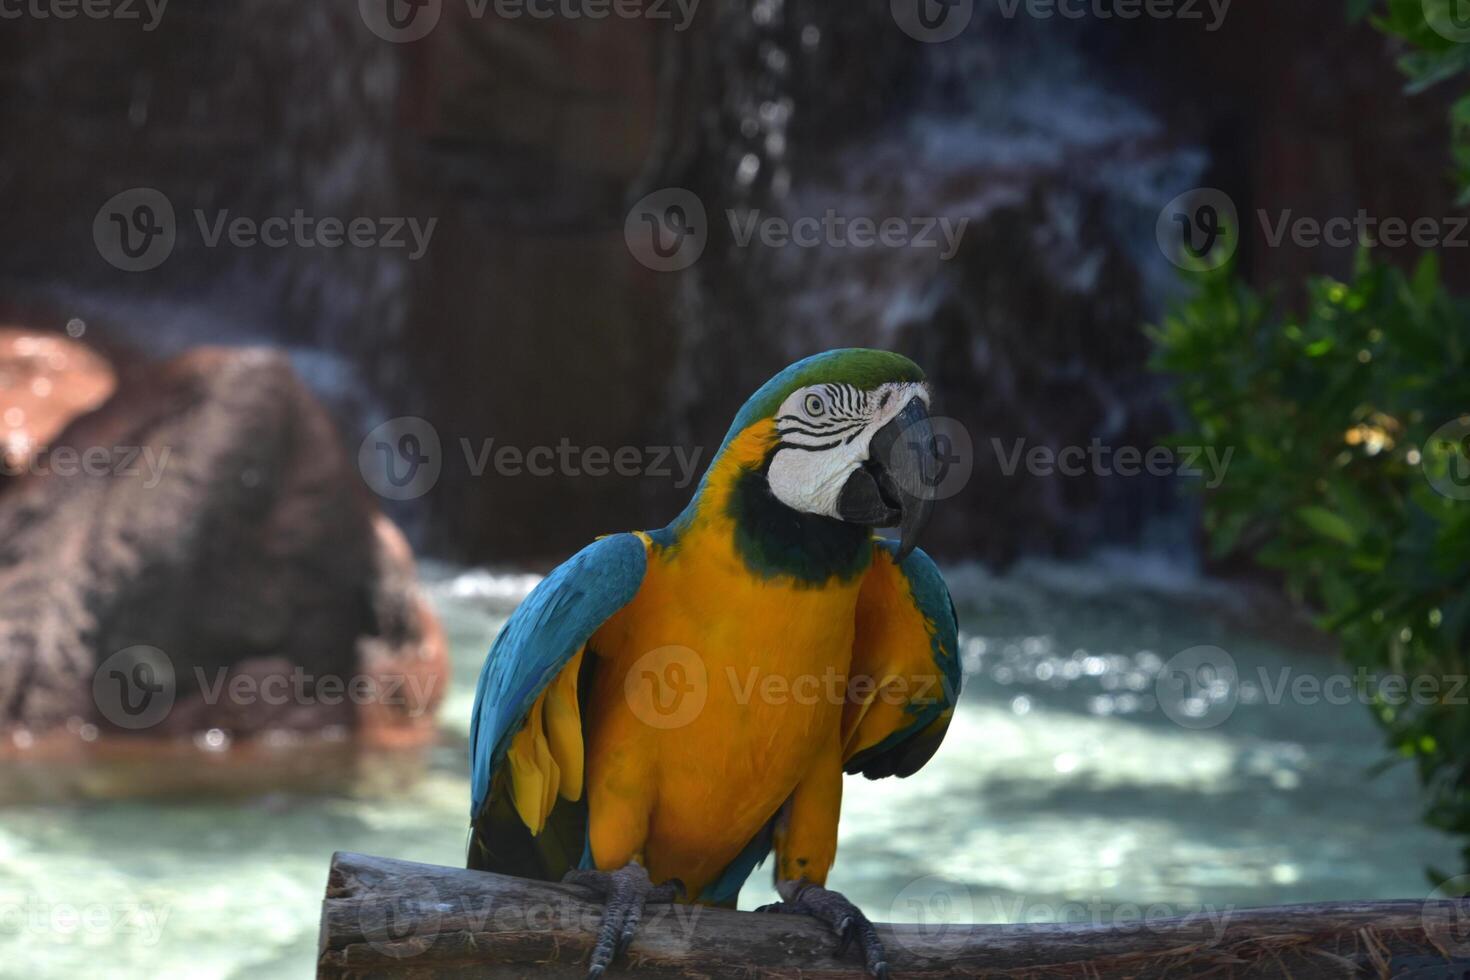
point(815, 407)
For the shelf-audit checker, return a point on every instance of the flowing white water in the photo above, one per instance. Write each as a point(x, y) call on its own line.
point(1061, 793)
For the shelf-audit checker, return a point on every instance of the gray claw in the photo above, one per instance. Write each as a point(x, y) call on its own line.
point(625, 893)
point(843, 918)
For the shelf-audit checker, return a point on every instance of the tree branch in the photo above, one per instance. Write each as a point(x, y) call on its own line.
point(385, 918)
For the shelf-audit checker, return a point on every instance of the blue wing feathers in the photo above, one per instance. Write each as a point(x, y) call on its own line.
point(538, 640)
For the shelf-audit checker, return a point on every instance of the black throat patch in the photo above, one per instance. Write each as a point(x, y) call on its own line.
point(774, 540)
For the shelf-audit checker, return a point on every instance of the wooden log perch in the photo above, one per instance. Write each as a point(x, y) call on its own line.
point(387, 918)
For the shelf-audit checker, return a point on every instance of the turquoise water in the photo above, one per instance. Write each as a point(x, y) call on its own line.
point(1063, 792)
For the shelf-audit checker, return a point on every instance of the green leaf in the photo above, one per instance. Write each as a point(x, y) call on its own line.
point(1328, 524)
point(1426, 279)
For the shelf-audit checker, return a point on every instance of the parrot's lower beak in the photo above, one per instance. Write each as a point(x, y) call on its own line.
point(895, 487)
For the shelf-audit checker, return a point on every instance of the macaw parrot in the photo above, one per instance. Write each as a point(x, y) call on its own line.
point(671, 706)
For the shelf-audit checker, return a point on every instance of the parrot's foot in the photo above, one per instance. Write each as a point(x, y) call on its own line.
point(841, 916)
point(625, 891)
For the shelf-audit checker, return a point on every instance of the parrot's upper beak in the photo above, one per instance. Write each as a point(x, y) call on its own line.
point(895, 487)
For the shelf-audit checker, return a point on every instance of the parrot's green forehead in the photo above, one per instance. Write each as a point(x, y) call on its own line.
point(856, 366)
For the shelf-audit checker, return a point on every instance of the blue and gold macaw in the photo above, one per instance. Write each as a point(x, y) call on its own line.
point(671, 706)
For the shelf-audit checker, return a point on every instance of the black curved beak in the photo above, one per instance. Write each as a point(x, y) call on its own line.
point(895, 487)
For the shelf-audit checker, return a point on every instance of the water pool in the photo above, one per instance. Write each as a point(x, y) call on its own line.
point(1062, 792)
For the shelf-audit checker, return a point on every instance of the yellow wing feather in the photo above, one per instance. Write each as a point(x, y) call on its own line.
point(892, 664)
point(545, 756)
point(564, 727)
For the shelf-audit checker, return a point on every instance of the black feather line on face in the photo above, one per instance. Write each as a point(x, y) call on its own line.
point(792, 445)
point(820, 423)
point(817, 432)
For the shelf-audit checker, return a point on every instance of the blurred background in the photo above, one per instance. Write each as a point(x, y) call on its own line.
point(325, 329)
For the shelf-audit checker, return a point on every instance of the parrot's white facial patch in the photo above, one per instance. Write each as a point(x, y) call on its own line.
point(825, 432)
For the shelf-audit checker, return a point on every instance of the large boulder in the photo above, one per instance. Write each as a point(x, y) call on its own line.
point(200, 555)
point(46, 380)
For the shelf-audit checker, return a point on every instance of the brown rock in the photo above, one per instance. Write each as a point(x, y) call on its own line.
point(46, 380)
point(200, 553)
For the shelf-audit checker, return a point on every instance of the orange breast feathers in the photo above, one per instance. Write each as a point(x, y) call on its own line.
point(893, 666)
point(715, 691)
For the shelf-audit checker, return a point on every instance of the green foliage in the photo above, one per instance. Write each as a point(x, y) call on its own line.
point(1331, 412)
point(1436, 36)
point(1335, 414)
